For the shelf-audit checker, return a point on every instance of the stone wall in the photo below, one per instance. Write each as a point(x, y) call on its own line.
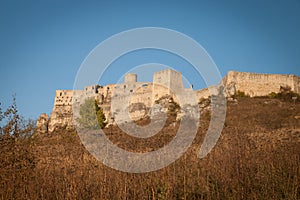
point(254, 84)
point(207, 92)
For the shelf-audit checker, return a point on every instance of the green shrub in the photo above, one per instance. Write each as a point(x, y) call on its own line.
point(241, 94)
point(273, 95)
point(285, 94)
point(91, 115)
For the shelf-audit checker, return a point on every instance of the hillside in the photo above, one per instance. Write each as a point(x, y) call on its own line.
point(257, 157)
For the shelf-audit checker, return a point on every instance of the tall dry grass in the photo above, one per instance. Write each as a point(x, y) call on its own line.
point(253, 159)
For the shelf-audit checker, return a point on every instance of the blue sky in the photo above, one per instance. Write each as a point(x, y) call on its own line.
point(43, 43)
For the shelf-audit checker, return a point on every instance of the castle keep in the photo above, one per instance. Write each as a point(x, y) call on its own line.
point(136, 98)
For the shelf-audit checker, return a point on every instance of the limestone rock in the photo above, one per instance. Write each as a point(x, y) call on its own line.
point(61, 118)
point(42, 123)
point(230, 89)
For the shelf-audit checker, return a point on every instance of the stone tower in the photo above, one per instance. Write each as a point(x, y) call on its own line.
point(130, 78)
point(167, 82)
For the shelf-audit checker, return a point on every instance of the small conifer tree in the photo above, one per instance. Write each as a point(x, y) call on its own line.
point(91, 115)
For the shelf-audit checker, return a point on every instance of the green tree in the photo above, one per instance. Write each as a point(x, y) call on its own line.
point(91, 115)
point(100, 117)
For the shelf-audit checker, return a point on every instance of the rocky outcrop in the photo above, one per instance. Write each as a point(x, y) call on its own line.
point(42, 123)
point(230, 89)
point(61, 118)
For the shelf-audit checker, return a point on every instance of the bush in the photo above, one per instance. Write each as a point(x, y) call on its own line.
point(101, 117)
point(285, 94)
point(273, 95)
point(241, 94)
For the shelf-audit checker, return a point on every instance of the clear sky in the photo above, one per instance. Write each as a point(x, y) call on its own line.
point(43, 43)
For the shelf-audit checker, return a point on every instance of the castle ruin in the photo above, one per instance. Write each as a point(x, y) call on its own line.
point(134, 99)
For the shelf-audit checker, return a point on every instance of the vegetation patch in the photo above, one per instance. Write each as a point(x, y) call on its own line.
point(91, 115)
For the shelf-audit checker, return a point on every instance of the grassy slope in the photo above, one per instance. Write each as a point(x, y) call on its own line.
point(257, 157)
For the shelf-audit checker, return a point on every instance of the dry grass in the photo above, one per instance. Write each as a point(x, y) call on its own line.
point(257, 157)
